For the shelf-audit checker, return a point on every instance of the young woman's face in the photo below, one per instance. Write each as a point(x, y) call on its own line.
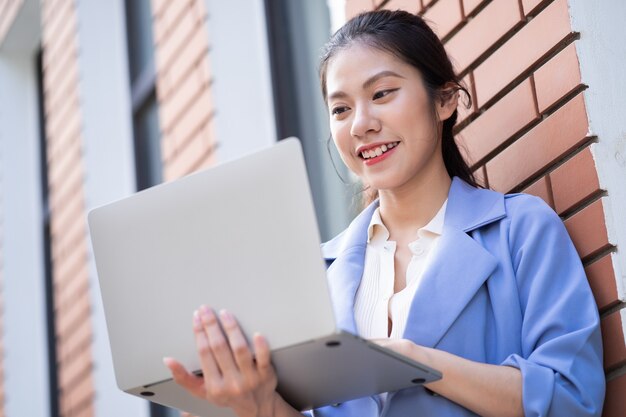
point(381, 118)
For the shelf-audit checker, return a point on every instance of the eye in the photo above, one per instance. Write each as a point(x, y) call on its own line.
point(338, 110)
point(383, 93)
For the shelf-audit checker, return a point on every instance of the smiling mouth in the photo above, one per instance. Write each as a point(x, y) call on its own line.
point(378, 151)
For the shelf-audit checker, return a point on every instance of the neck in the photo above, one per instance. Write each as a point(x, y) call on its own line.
point(411, 207)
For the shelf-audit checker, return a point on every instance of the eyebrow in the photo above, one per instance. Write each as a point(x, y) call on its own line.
point(368, 83)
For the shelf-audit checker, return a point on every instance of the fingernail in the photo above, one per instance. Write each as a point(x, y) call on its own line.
point(206, 314)
point(196, 319)
point(260, 338)
point(226, 317)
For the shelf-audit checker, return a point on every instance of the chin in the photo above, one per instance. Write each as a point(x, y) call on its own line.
point(382, 185)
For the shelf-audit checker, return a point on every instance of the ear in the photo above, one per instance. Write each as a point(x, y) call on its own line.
point(447, 101)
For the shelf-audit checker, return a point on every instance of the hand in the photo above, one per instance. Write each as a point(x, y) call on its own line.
point(231, 376)
point(402, 346)
point(485, 389)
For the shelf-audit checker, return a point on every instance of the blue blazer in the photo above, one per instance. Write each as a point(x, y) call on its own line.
point(506, 287)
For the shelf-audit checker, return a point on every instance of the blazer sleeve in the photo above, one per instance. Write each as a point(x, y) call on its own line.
point(561, 360)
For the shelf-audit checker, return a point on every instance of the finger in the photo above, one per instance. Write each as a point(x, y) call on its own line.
point(210, 370)
point(190, 382)
point(238, 344)
point(217, 343)
point(263, 357)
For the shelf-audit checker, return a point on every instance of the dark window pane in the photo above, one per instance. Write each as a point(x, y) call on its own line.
point(148, 144)
point(140, 39)
point(53, 376)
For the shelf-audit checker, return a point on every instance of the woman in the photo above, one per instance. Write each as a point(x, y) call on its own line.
point(484, 287)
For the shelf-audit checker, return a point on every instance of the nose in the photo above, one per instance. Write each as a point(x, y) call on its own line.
point(365, 121)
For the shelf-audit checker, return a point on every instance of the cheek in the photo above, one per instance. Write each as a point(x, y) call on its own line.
point(420, 123)
point(419, 119)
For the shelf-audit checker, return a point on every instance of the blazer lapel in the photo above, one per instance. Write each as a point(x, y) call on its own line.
point(459, 268)
point(344, 277)
point(460, 265)
point(345, 256)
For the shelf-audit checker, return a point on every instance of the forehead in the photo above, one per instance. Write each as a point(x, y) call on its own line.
point(354, 64)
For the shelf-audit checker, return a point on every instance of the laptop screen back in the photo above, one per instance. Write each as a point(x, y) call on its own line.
point(241, 236)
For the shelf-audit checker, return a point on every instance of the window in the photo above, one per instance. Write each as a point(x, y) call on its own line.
point(143, 93)
point(53, 375)
point(296, 32)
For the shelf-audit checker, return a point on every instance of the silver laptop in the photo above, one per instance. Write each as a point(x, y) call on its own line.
point(241, 236)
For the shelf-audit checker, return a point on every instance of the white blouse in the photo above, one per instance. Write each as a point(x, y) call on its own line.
point(376, 302)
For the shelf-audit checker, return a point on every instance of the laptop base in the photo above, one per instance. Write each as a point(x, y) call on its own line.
point(321, 372)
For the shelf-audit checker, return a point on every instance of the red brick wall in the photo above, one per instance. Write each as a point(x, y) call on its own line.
point(527, 129)
point(67, 207)
point(183, 86)
point(8, 11)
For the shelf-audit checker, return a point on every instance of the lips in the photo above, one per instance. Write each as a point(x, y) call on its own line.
point(373, 152)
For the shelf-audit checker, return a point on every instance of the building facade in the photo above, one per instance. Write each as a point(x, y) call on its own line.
point(101, 99)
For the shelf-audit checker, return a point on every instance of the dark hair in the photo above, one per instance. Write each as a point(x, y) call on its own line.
point(410, 39)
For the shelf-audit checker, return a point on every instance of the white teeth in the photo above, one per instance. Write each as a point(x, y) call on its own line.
point(378, 151)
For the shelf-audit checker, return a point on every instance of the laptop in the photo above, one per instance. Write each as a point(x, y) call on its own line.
point(241, 236)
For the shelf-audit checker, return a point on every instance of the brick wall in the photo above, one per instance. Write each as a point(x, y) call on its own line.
point(183, 86)
point(67, 207)
point(527, 129)
point(8, 11)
